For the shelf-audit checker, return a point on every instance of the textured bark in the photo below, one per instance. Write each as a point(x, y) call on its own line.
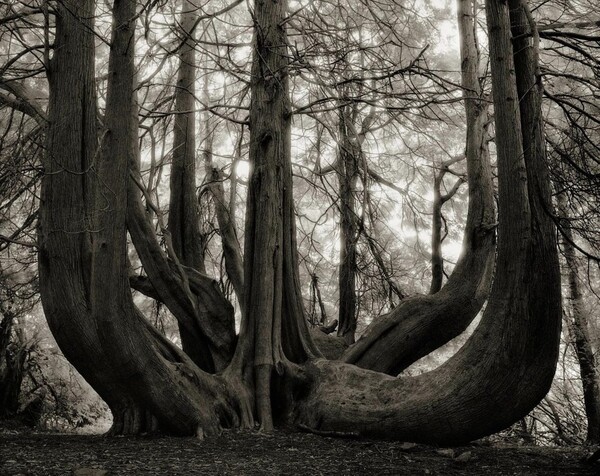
point(274, 330)
point(66, 206)
point(495, 379)
point(197, 303)
point(421, 324)
point(347, 174)
point(183, 211)
point(507, 366)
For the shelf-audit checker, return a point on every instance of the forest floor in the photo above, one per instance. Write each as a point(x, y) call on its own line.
point(282, 453)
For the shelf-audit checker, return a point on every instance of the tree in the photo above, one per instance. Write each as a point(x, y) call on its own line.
point(433, 320)
point(581, 336)
point(128, 368)
point(91, 197)
point(13, 354)
point(461, 392)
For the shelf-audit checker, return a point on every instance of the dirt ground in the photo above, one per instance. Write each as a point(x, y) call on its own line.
point(282, 453)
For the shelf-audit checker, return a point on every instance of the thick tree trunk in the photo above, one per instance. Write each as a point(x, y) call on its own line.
point(421, 324)
point(495, 379)
point(65, 254)
point(508, 364)
point(195, 300)
point(274, 330)
point(205, 318)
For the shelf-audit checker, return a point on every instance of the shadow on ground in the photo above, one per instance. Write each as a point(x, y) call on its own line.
point(253, 453)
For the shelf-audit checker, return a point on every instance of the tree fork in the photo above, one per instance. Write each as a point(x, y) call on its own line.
point(141, 375)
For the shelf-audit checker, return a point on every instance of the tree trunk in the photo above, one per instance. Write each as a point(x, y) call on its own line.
point(65, 253)
point(495, 379)
point(581, 334)
point(347, 173)
point(421, 324)
point(193, 298)
point(274, 331)
point(437, 259)
point(12, 362)
point(183, 210)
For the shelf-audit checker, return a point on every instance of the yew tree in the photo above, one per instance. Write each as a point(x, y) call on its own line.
point(272, 372)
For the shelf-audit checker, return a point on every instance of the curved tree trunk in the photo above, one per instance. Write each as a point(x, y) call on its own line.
point(508, 364)
point(421, 324)
point(195, 300)
point(205, 317)
point(65, 249)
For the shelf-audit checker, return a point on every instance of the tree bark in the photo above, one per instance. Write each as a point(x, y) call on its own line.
point(495, 379)
point(183, 222)
point(194, 299)
point(183, 211)
point(274, 331)
point(65, 251)
point(437, 259)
